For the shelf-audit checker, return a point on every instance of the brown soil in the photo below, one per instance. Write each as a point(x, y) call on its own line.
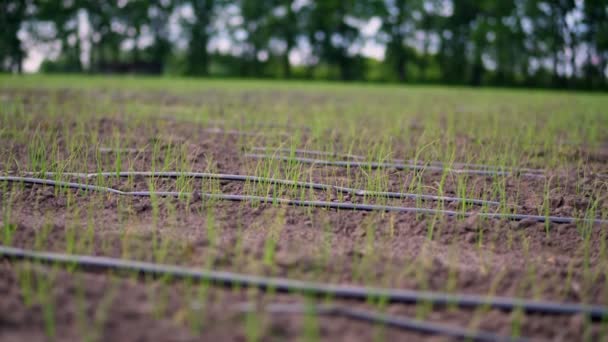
point(473, 256)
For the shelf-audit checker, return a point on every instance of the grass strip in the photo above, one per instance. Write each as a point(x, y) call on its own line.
point(285, 285)
point(396, 166)
point(400, 161)
point(399, 322)
point(302, 203)
point(264, 180)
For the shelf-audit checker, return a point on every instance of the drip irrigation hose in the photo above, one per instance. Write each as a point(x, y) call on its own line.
point(50, 182)
point(120, 150)
point(400, 161)
point(286, 285)
point(397, 166)
point(258, 124)
point(255, 179)
point(309, 152)
point(242, 133)
point(302, 203)
point(400, 322)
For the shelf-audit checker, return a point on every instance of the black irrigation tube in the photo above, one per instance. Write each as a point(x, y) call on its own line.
point(310, 152)
point(215, 130)
point(285, 285)
point(258, 124)
point(120, 150)
point(411, 161)
point(397, 166)
point(50, 182)
point(255, 179)
point(301, 203)
point(400, 322)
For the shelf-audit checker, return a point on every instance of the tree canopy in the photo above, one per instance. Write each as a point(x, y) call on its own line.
point(557, 43)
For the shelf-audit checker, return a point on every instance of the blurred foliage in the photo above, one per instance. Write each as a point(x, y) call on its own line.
point(558, 43)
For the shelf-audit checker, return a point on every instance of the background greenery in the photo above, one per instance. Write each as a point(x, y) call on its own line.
point(558, 43)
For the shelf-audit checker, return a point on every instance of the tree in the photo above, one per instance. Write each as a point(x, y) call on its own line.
point(398, 26)
point(475, 42)
point(333, 30)
point(427, 25)
point(200, 30)
point(157, 19)
point(495, 36)
point(508, 47)
point(256, 27)
point(595, 18)
point(285, 26)
point(456, 43)
point(12, 16)
point(550, 30)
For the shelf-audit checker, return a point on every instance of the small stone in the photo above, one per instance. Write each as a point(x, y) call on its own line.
point(421, 227)
point(360, 232)
point(470, 224)
point(557, 201)
point(527, 223)
point(581, 204)
point(287, 260)
point(576, 287)
point(196, 196)
point(471, 237)
point(542, 226)
point(577, 322)
point(142, 207)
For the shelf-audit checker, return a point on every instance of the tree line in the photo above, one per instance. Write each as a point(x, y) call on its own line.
point(544, 43)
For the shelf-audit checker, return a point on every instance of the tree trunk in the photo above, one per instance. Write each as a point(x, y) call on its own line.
point(573, 64)
point(290, 37)
point(344, 65)
point(198, 57)
point(20, 62)
point(424, 57)
point(556, 81)
point(602, 72)
point(477, 72)
point(401, 68)
point(286, 64)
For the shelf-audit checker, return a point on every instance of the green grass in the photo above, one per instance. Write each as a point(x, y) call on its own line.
point(52, 124)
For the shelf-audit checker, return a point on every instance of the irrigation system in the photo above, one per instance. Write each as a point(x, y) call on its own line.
point(264, 180)
point(397, 166)
point(120, 150)
point(400, 161)
point(303, 203)
point(373, 317)
point(285, 285)
point(241, 133)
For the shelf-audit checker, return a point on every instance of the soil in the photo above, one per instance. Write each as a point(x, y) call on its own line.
point(560, 262)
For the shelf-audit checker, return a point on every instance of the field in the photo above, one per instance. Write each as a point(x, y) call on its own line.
point(489, 207)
